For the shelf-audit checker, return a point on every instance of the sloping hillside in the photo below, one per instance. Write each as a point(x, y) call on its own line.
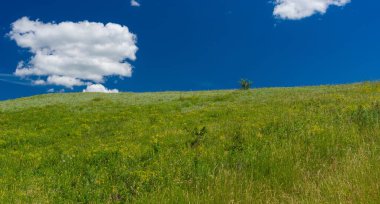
point(307, 144)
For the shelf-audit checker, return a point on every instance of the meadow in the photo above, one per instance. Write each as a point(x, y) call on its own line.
point(273, 145)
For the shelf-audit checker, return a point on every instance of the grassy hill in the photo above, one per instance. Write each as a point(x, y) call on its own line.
point(302, 145)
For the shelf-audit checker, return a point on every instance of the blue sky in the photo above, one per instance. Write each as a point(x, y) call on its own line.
point(201, 45)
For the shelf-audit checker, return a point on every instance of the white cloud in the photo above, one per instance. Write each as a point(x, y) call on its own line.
point(135, 3)
point(68, 82)
point(64, 81)
point(298, 9)
point(74, 54)
point(100, 89)
point(39, 82)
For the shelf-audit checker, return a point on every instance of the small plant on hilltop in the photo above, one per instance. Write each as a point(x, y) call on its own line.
point(199, 136)
point(245, 84)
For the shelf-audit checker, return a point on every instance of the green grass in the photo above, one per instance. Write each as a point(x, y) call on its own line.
point(280, 145)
